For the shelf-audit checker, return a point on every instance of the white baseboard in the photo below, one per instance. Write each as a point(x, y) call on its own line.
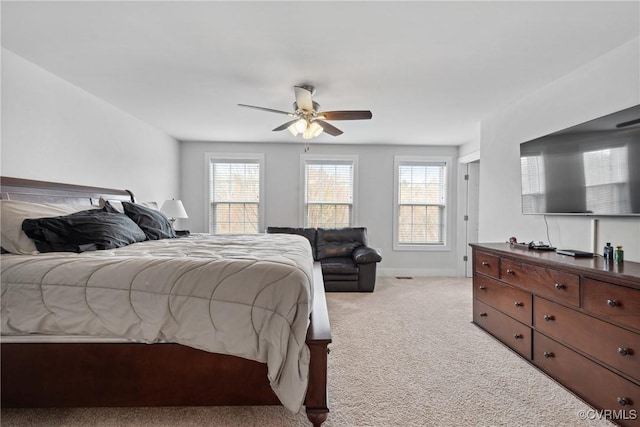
point(416, 272)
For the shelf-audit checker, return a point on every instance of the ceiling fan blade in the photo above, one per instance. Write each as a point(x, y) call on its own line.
point(285, 125)
point(346, 115)
point(629, 123)
point(303, 98)
point(267, 109)
point(330, 129)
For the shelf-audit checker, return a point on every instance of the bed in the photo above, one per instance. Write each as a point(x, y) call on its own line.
point(170, 366)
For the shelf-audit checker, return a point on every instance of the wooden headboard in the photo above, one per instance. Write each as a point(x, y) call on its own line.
point(28, 190)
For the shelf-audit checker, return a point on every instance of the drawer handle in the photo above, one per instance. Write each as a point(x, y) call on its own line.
point(518, 304)
point(625, 351)
point(509, 271)
point(612, 303)
point(517, 336)
point(548, 354)
point(623, 401)
point(483, 314)
point(559, 286)
point(485, 264)
point(482, 288)
point(549, 317)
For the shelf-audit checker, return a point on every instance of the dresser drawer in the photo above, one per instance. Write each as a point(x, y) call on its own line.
point(595, 384)
point(615, 303)
point(486, 264)
point(607, 343)
point(511, 301)
point(511, 332)
point(554, 284)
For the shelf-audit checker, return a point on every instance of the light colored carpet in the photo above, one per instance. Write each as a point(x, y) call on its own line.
point(405, 355)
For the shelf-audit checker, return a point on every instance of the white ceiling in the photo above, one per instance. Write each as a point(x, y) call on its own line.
point(429, 71)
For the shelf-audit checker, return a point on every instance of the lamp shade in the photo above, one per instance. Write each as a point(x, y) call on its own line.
point(174, 209)
point(301, 125)
point(292, 128)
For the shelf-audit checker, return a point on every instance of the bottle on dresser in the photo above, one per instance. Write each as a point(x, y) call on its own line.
point(608, 252)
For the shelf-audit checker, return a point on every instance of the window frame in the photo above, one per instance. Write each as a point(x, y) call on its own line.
point(448, 206)
point(329, 159)
point(258, 158)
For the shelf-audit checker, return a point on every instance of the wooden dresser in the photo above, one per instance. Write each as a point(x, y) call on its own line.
point(576, 319)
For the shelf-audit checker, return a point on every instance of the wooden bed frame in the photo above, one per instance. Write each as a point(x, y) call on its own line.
point(131, 374)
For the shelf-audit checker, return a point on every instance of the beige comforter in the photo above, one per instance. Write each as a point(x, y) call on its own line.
point(247, 296)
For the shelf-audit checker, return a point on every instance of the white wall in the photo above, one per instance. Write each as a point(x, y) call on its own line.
point(469, 151)
point(282, 199)
point(603, 86)
point(54, 131)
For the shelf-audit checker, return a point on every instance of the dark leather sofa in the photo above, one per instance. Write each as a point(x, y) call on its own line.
point(348, 264)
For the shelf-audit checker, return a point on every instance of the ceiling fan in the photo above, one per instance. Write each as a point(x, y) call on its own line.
point(308, 120)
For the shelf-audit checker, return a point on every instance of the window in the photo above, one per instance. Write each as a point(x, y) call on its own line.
point(235, 188)
point(329, 189)
point(420, 220)
point(533, 185)
point(606, 174)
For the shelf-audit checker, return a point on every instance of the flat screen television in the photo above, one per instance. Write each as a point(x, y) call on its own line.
point(589, 169)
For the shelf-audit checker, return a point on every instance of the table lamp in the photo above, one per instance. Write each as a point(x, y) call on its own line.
point(174, 209)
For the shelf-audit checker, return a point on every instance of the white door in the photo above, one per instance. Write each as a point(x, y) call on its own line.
point(472, 208)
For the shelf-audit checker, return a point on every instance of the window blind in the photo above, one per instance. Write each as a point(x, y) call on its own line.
point(234, 196)
point(422, 195)
point(328, 193)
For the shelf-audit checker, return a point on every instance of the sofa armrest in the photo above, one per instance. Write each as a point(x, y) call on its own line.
point(366, 255)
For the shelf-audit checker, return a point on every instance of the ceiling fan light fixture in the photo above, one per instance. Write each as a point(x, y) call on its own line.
point(307, 134)
point(308, 120)
point(301, 125)
point(293, 130)
point(315, 129)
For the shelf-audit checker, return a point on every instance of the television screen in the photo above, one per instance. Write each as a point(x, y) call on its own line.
point(589, 169)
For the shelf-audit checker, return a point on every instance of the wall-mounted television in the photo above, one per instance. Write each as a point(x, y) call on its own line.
point(589, 169)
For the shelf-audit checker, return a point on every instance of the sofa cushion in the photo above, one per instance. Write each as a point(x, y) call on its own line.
point(339, 266)
point(340, 277)
point(366, 255)
point(339, 242)
point(309, 233)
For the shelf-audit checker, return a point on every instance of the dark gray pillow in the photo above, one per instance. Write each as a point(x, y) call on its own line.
point(88, 230)
point(154, 223)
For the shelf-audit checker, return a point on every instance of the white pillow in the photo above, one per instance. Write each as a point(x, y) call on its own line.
point(13, 212)
point(115, 204)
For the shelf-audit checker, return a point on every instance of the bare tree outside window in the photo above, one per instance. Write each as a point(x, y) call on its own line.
point(328, 193)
